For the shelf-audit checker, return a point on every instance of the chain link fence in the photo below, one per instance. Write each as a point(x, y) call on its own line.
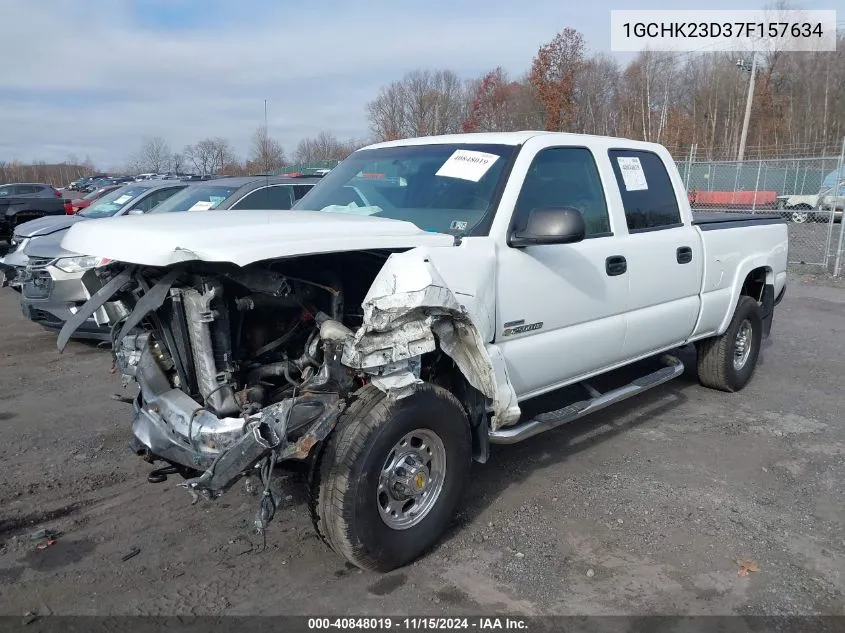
point(808, 192)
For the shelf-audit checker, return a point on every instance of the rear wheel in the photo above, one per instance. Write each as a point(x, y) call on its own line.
point(727, 362)
point(391, 475)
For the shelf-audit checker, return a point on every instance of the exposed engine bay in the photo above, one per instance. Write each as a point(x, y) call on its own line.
point(240, 368)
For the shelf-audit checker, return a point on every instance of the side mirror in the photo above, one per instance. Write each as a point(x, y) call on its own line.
point(135, 212)
point(561, 225)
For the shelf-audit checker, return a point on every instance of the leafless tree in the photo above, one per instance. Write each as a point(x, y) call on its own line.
point(56, 174)
point(154, 155)
point(423, 103)
point(210, 155)
point(325, 146)
point(267, 153)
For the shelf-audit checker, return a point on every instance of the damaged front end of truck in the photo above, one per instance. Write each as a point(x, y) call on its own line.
point(240, 368)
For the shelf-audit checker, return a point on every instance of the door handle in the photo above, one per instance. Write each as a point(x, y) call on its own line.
point(615, 265)
point(684, 254)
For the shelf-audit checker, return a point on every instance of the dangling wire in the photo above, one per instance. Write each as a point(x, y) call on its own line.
point(267, 505)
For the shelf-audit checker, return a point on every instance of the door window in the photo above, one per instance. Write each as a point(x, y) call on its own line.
point(270, 198)
point(155, 198)
point(564, 177)
point(648, 196)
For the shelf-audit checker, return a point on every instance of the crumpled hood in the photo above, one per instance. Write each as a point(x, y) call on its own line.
point(240, 237)
point(46, 225)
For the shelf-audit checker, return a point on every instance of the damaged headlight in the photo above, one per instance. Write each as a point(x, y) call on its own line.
point(80, 264)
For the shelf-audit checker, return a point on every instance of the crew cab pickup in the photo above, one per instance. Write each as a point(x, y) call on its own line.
point(408, 313)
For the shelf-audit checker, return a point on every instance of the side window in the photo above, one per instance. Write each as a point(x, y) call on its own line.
point(300, 190)
point(25, 189)
point(276, 198)
point(648, 197)
point(154, 199)
point(5, 191)
point(565, 177)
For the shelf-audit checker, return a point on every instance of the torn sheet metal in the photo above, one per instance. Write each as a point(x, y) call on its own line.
point(410, 307)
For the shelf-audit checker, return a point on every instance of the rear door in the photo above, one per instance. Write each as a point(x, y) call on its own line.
point(664, 255)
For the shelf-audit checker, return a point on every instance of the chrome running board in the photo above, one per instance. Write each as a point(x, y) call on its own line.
point(551, 419)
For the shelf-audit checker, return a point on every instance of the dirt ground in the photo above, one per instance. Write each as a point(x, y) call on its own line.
point(642, 509)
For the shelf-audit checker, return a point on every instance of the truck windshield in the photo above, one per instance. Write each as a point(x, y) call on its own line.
point(445, 188)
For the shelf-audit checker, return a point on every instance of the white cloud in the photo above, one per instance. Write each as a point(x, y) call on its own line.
point(85, 77)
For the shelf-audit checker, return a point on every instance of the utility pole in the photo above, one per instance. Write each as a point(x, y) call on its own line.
point(743, 66)
point(266, 137)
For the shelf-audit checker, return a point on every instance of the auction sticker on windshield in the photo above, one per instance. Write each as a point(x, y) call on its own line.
point(632, 173)
point(123, 199)
point(202, 205)
point(467, 164)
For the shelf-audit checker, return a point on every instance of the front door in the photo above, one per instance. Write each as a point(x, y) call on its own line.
point(561, 308)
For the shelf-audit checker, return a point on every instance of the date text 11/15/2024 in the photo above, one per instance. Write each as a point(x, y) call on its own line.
point(419, 623)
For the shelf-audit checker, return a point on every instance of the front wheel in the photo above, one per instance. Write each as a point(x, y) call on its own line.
point(727, 362)
point(391, 475)
point(800, 217)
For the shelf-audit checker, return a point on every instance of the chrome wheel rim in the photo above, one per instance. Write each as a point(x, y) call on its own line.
point(411, 479)
point(800, 218)
point(742, 344)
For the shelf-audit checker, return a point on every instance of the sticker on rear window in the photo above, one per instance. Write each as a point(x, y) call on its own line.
point(467, 164)
point(458, 225)
point(202, 205)
point(123, 199)
point(632, 173)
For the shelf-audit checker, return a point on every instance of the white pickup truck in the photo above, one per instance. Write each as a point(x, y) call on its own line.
point(411, 317)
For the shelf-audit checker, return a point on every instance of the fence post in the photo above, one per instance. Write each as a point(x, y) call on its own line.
point(757, 186)
point(689, 167)
point(836, 266)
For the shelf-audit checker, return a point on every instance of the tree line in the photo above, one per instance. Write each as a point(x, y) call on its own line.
point(215, 155)
point(212, 155)
point(678, 100)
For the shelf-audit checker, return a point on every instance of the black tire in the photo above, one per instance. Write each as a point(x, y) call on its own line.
point(345, 478)
point(716, 367)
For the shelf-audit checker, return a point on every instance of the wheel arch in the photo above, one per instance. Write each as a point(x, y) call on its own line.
point(754, 278)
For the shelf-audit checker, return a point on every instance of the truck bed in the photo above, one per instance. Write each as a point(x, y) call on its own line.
point(710, 221)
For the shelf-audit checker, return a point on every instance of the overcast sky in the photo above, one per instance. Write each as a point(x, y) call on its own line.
point(94, 77)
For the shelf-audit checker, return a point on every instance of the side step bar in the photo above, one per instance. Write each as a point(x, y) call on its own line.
point(551, 419)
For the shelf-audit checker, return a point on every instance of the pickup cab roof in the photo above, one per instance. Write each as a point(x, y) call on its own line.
point(514, 138)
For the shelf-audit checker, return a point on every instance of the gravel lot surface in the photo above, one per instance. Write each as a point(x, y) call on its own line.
point(645, 508)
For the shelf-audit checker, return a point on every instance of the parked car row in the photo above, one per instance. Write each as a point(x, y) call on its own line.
point(48, 276)
point(98, 181)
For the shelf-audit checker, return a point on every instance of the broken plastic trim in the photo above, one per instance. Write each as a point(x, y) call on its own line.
point(409, 311)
